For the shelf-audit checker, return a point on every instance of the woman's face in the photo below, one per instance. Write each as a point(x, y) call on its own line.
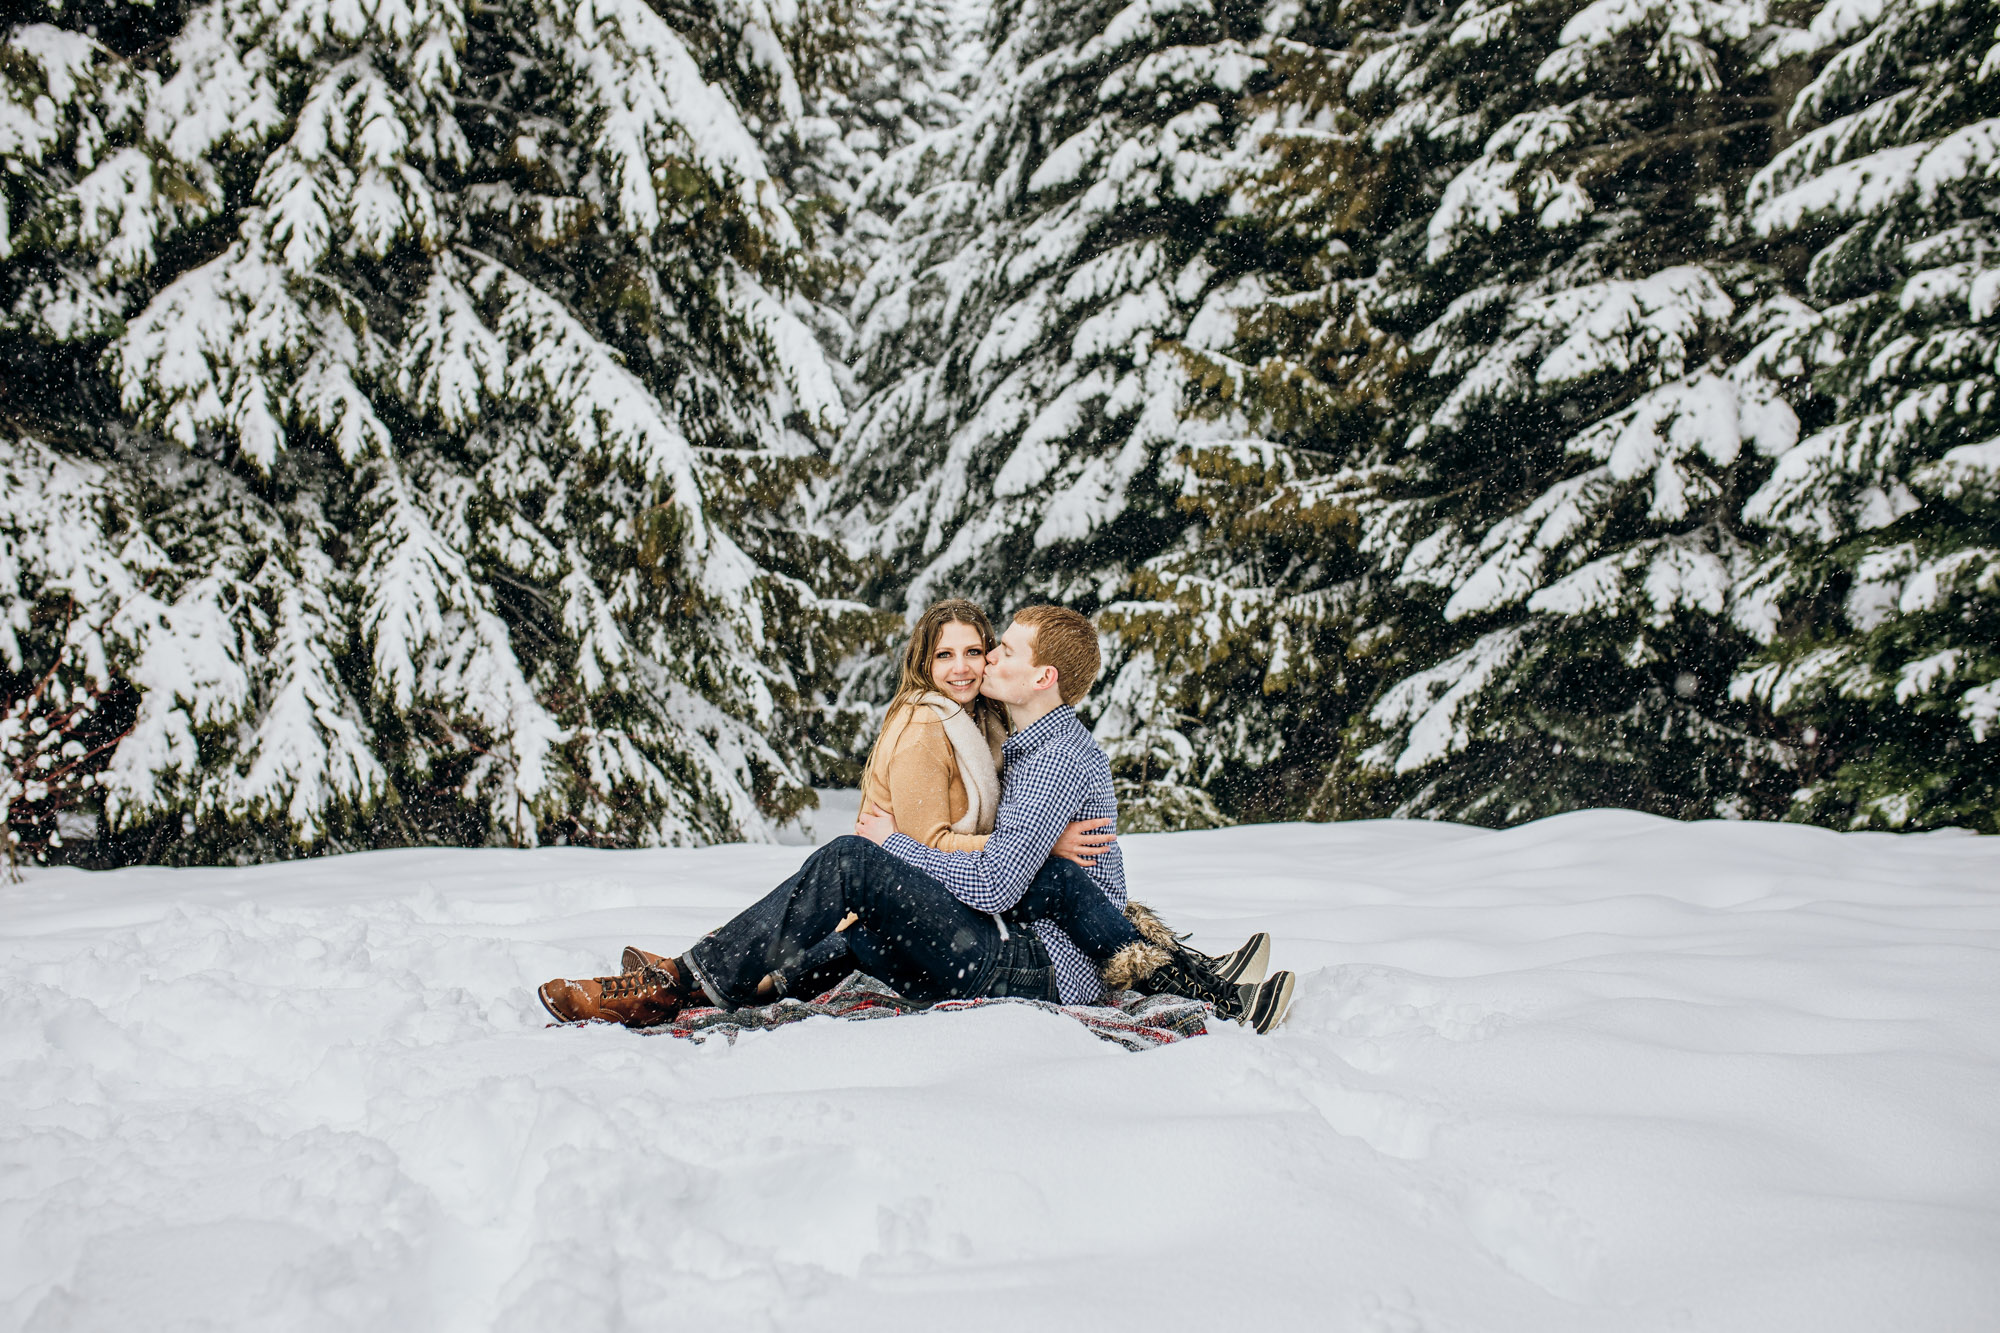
point(959, 663)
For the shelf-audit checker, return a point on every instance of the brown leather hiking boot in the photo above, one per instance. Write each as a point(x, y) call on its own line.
point(641, 999)
point(636, 959)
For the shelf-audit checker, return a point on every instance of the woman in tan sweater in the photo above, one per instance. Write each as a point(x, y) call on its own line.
point(935, 766)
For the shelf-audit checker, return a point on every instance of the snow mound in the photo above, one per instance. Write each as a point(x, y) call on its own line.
point(1598, 1072)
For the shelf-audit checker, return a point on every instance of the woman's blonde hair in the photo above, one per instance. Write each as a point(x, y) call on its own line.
point(918, 678)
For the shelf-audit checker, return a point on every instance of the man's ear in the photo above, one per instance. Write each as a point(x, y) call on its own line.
point(1045, 678)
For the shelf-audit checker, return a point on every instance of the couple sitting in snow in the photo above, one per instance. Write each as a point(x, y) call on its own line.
point(962, 878)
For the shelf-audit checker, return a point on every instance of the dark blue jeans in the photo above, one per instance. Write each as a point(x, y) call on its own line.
point(912, 933)
point(933, 945)
point(1064, 892)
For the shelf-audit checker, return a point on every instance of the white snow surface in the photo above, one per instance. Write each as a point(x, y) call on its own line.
point(1600, 1072)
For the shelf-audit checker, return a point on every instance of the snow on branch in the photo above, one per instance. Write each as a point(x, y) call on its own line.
point(650, 105)
point(604, 409)
point(1431, 711)
point(1551, 343)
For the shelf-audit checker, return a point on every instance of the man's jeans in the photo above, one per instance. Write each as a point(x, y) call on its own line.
point(1064, 893)
point(912, 933)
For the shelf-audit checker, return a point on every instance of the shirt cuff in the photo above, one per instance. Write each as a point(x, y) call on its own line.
point(905, 848)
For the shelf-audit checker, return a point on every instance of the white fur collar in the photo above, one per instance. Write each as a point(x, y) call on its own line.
point(975, 764)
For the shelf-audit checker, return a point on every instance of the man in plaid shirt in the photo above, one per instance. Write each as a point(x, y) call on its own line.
point(1053, 774)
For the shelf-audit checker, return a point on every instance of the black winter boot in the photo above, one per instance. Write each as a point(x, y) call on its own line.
point(1245, 964)
point(1152, 969)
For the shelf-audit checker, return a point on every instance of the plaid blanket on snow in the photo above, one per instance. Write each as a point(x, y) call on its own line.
point(1137, 1022)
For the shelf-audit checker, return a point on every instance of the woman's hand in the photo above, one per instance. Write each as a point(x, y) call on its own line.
point(1084, 841)
point(875, 824)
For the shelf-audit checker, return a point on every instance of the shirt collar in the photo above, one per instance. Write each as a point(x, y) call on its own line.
point(1039, 732)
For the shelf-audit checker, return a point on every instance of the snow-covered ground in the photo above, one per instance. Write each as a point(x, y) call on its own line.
point(1599, 1073)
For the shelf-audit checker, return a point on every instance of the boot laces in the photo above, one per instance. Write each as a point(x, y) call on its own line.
point(1202, 983)
point(643, 982)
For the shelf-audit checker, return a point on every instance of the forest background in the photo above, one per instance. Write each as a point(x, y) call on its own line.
point(529, 422)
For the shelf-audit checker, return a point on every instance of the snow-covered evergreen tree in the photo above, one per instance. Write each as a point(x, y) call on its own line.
point(1498, 370)
point(1244, 626)
point(1235, 644)
point(1884, 592)
point(482, 332)
point(85, 195)
point(1554, 541)
point(1018, 408)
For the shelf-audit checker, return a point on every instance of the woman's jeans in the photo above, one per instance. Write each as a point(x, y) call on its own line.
point(912, 933)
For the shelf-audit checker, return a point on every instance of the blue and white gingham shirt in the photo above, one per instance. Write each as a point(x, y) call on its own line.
point(1054, 774)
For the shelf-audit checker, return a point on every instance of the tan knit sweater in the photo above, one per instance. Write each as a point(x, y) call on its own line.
point(913, 774)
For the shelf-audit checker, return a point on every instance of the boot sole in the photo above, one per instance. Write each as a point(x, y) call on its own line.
point(1247, 965)
point(1274, 998)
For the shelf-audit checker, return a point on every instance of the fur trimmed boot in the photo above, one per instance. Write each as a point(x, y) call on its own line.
point(1151, 929)
point(1153, 969)
point(1133, 965)
point(1268, 1002)
point(641, 999)
point(1244, 964)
